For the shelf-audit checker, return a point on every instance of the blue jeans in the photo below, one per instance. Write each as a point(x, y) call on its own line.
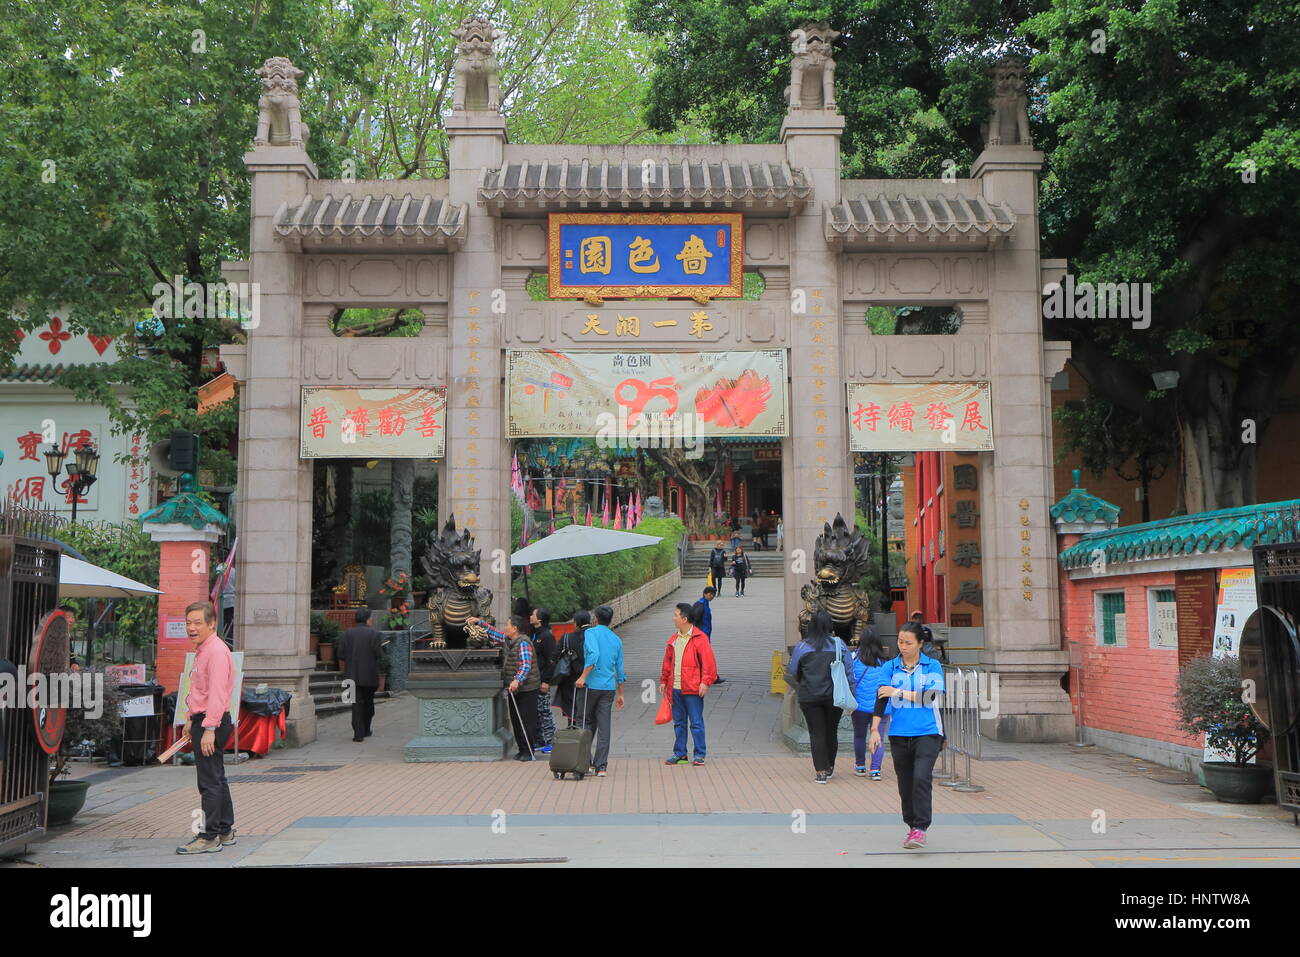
point(688, 707)
point(861, 731)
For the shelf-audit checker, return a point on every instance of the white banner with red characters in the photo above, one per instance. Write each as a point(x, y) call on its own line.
point(613, 394)
point(30, 483)
point(920, 417)
point(347, 423)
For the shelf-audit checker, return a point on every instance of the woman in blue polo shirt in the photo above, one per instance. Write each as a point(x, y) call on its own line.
point(910, 692)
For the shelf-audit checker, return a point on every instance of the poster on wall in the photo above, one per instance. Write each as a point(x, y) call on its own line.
point(920, 417)
point(347, 423)
point(1236, 602)
point(625, 396)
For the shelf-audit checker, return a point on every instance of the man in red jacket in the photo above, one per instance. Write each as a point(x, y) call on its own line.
point(688, 671)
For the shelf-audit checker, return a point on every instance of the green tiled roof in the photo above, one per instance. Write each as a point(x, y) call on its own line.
point(1223, 530)
point(1079, 506)
point(32, 373)
point(185, 509)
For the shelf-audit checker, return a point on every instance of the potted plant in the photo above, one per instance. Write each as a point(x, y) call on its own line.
point(1210, 700)
point(317, 626)
point(329, 633)
point(85, 730)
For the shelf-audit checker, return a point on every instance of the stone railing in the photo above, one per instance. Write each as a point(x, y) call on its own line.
point(632, 603)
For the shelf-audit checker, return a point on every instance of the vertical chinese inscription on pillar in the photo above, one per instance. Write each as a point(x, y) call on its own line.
point(1026, 566)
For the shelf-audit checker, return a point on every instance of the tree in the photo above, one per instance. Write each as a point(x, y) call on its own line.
point(1171, 152)
point(698, 475)
point(125, 127)
point(1108, 439)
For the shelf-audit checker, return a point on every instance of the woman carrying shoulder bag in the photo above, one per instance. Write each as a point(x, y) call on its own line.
point(568, 664)
point(821, 694)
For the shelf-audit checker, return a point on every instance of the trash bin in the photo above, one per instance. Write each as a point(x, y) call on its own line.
point(141, 725)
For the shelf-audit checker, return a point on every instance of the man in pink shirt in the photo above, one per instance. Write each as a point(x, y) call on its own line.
point(212, 679)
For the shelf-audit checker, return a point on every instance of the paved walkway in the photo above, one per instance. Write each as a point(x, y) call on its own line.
point(335, 802)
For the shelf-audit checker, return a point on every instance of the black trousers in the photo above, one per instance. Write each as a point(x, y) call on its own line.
point(214, 792)
point(914, 759)
point(525, 712)
point(363, 710)
point(740, 584)
point(823, 720)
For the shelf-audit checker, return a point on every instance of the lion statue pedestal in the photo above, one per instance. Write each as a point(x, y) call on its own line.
point(455, 673)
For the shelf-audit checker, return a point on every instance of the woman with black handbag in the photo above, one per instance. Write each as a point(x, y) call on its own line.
point(568, 666)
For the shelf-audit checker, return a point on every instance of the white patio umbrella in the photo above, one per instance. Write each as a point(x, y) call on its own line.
point(78, 579)
point(574, 541)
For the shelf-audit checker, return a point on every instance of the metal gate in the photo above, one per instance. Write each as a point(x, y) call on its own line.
point(29, 589)
point(1277, 586)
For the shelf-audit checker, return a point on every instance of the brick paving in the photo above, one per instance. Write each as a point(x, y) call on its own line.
point(371, 806)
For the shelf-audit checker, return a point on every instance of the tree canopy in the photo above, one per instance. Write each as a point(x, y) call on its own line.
point(1171, 146)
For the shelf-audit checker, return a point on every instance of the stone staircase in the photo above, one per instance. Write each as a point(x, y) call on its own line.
point(326, 687)
point(766, 564)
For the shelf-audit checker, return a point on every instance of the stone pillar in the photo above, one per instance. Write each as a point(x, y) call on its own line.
point(275, 486)
point(815, 472)
point(184, 549)
point(479, 496)
point(1023, 650)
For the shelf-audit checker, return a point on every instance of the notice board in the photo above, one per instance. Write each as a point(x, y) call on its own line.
point(1195, 594)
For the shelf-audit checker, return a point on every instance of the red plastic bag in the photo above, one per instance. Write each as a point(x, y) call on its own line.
point(665, 710)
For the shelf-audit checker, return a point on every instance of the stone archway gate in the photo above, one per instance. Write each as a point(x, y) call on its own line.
point(827, 248)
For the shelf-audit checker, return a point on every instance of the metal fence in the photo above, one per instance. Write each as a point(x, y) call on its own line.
point(29, 586)
point(961, 724)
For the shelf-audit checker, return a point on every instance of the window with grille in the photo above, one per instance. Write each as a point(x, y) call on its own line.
point(1111, 625)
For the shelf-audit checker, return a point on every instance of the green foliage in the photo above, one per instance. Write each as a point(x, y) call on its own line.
point(370, 540)
point(392, 323)
point(128, 550)
point(324, 628)
point(82, 725)
point(573, 584)
point(1145, 179)
point(1210, 700)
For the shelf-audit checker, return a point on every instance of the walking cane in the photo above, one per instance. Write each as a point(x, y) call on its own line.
point(523, 728)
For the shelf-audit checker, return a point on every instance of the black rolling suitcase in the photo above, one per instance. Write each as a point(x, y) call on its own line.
point(571, 750)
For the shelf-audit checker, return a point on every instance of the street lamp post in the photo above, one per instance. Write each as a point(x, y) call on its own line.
point(81, 473)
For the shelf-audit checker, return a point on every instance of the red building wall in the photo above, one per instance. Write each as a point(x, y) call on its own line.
point(1130, 689)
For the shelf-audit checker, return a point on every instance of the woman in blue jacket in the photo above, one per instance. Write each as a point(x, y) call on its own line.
point(868, 673)
point(910, 692)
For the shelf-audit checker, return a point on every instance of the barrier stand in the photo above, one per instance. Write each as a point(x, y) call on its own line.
point(945, 771)
point(968, 726)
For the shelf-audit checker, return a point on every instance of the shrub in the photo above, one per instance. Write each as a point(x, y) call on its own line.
point(573, 584)
point(128, 550)
point(80, 728)
point(1210, 700)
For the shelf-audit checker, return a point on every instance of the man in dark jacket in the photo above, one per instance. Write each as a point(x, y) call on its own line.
point(547, 648)
point(360, 651)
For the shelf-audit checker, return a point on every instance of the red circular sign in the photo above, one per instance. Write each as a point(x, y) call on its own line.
point(50, 650)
